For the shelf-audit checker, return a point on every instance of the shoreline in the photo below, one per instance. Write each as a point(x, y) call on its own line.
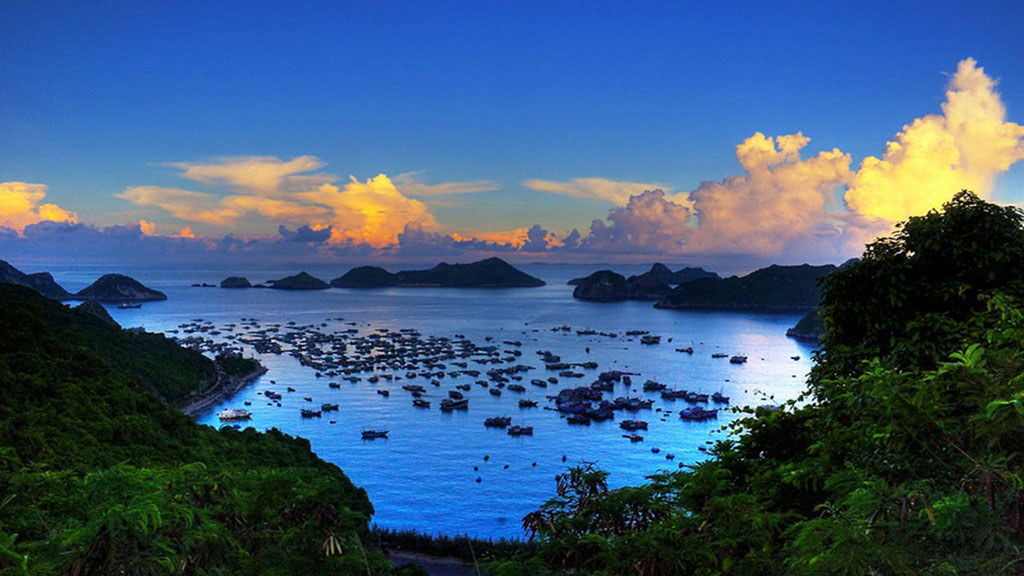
point(226, 387)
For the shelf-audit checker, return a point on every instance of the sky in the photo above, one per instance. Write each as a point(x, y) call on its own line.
point(727, 134)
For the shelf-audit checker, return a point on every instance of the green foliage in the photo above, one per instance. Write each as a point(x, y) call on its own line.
point(904, 458)
point(99, 476)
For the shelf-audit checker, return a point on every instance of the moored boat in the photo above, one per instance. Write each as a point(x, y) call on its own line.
point(234, 414)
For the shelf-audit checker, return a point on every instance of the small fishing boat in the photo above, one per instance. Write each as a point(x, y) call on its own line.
point(520, 431)
point(738, 359)
point(128, 306)
point(649, 339)
point(632, 425)
point(329, 407)
point(498, 422)
point(384, 393)
point(420, 403)
point(373, 434)
point(527, 403)
point(719, 398)
point(633, 437)
point(719, 355)
point(447, 405)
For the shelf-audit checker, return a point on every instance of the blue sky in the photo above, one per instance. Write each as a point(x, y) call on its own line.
point(95, 100)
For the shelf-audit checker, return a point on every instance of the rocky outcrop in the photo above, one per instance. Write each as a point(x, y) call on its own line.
point(489, 273)
point(772, 288)
point(41, 282)
point(301, 281)
point(646, 286)
point(810, 328)
point(118, 288)
point(235, 282)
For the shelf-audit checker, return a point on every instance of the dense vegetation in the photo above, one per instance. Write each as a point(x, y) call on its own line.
point(903, 458)
point(99, 476)
point(774, 287)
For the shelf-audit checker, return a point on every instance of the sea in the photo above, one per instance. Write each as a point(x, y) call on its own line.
point(445, 473)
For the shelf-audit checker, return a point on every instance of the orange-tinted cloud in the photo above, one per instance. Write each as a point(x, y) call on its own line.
point(371, 212)
point(966, 146)
point(21, 205)
point(148, 228)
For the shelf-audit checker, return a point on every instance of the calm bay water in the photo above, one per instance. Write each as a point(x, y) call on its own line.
point(423, 475)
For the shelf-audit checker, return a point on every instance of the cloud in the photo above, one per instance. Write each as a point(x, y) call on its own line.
point(256, 174)
point(21, 205)
point(780, 197)
point(305, 234)
point(966, 146)
point(648, 224)
point(786, 205)
point(408, 184)
point(616, 192)
point(187, 205)
point(291, 193)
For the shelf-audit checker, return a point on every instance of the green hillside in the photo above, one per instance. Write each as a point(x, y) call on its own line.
point(100, 476)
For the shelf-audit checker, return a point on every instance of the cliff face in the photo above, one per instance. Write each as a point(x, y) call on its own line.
point(775, 287)
point(118, 288)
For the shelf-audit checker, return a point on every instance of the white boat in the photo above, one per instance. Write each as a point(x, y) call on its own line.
point(234, 414)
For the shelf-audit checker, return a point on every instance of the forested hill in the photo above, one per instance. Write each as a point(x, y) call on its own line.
point(101, 476)
point(774, 287)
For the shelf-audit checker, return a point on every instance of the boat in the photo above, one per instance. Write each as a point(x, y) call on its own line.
point(520, 431)
point(738, 359)
point(578, 419)
point(384, 393)
point(649, 339)
point(310, 413)
point(447, 405)
point(527, 403)
point(688, 350)
point(420, 403)
point(372, 434)
point(495, 392)
point(234, 414)
point(329, 407)
point(719, 398)
point(128, 305)
point(632, 425)
point(498, 422)
point(516, 388)
point(633, 437)
point(455, 395)
point(719, 355)
point(698, 414)
point(653, 386)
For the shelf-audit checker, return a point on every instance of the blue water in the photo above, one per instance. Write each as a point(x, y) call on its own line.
point(423, 475)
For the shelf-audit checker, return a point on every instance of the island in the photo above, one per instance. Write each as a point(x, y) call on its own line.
point(300, 281)
point(772, 288)
point(366, 277)
point(235, 282)
point(609, 286)
point(666, 276)
point(489, 273)
point(118, 288)
point(41, 282)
